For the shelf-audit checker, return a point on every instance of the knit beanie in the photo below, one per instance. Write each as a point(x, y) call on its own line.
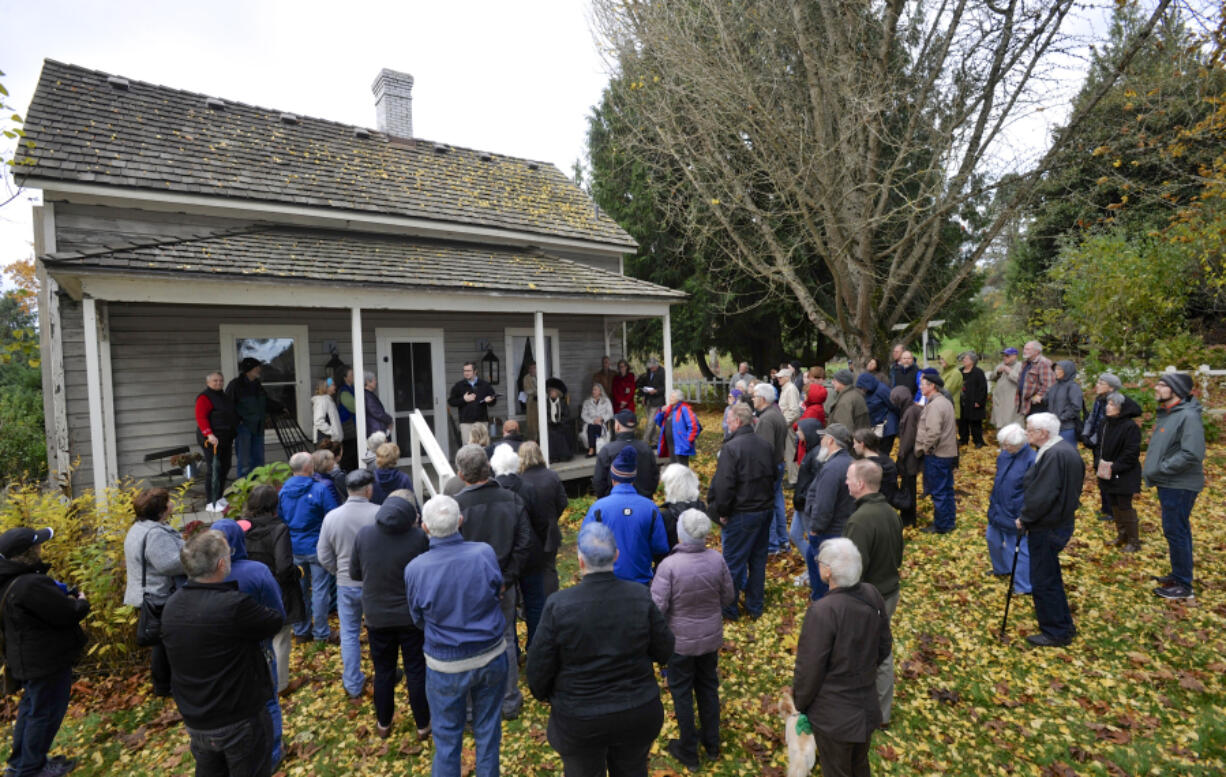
point(845, 377)
point(625, 466)
point(1115, 383)
point(1179, 382)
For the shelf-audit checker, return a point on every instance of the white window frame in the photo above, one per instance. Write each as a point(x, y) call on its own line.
point(228, 333)
point(554, 361)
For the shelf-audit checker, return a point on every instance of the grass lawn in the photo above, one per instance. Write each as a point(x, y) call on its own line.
point(1140, 691)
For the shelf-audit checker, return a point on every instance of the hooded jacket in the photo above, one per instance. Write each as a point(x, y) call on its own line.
point(908, 426)
point(1064, 399)
point(1121, 445)
point(809, 466)
point(268, 543)
point(304, 503)
point(951, 373)
point(380, 554)
point(42, 624)
point(336, 536)
point(253, 578)
point(1176, 453)
point(815, 403)
point(877, 398)
point(386, 481)
point(1008, 493)
point(690, 588)
point(326, 419)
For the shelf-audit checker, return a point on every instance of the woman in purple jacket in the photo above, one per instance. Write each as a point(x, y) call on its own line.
point(691, 587)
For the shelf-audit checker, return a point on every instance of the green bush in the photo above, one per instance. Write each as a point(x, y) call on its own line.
point(1185, 351)
point(274, 474)
point(23, 446)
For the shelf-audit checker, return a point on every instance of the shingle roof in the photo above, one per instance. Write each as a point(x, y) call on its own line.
point(153, 137)
point(347, 258)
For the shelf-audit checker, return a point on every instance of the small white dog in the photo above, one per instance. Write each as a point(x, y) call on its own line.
point(802, 748)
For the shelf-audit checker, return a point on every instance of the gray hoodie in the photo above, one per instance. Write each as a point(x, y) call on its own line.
point(1064, 399)
point(1176, 450)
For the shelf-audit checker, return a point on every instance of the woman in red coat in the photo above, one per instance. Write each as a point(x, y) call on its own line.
point(815, 408)
point(623, 388)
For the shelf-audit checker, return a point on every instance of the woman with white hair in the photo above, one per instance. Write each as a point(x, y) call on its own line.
point(834, 682)
point(691, 588)
point(597, 412)
point(1005, 506)
point(680, 494)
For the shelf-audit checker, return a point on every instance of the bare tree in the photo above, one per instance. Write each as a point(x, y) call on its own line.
point(847, 153)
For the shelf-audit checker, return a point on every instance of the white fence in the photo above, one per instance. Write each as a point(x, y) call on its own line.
point(701, 390)
point(422, 439)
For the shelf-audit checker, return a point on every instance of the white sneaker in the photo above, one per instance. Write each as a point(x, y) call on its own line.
point(211, 507)
point(222, 504)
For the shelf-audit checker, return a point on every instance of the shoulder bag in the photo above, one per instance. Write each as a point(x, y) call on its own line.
point(149, 622)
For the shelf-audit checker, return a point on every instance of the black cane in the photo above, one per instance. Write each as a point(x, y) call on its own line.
point(1017, 547)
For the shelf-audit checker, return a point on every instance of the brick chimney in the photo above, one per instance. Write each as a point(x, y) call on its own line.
point(394, 103)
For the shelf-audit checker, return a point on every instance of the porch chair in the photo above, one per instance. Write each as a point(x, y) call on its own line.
point(290, 435)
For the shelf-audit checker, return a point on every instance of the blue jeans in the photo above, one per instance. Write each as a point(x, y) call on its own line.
point(249, 446)
point(532, 590)
point(817, 589)
point(447, 694)
point(1001, 543)
point(349, 612)
point(745, 539)
point(1069, 436)
point(39, 715)
point(939, 484)
point(1046, 583)
point(314, 584)
point(1177, 506)
point(797, 533)
point(779, 523)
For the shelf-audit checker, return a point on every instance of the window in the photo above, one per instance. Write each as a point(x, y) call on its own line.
point(283, 351)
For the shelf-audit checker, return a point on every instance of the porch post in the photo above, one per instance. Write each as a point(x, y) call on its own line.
point(668, 357)
point(542, 418)
point(93, 381)
point(359, 380)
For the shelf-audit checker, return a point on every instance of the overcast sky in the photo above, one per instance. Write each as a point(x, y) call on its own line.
point(518, 78)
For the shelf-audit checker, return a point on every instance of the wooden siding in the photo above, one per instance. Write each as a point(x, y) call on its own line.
point(161, 353)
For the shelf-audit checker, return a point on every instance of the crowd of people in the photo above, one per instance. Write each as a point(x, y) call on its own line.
point(440, 586)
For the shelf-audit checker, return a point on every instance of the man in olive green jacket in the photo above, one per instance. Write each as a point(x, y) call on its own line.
point(846, 406)
point(877, 532)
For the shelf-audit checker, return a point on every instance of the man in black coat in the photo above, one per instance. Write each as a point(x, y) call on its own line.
point(471, 396)
point(1052, 492)
point(42, 640)
point(219, 676)
point(496, 516)
point(648, 474)
point(742, 497)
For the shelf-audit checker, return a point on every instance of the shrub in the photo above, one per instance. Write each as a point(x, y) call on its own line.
point(274, 474)
point(1185, 351)
point(87, 553)
point(23, 447)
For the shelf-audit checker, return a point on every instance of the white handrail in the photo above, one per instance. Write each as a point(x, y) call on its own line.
point(423, 437)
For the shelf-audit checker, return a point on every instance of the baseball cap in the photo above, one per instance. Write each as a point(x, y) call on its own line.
point(14, 542)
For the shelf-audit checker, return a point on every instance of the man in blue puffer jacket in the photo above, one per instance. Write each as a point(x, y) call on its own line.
point(304, 502)
point(1005, 506)
point(255, 580)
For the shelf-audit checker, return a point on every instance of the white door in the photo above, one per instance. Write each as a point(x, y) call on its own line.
point(411, 378)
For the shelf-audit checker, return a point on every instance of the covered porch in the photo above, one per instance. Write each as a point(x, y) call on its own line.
point(148, 338)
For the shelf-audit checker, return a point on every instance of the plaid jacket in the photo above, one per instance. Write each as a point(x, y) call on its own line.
point(1038, 378)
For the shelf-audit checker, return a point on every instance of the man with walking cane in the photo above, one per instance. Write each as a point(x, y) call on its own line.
point(1053, 491)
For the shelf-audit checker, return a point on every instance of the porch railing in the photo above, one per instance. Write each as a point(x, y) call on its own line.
point(422, 440)
point(698, 390)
